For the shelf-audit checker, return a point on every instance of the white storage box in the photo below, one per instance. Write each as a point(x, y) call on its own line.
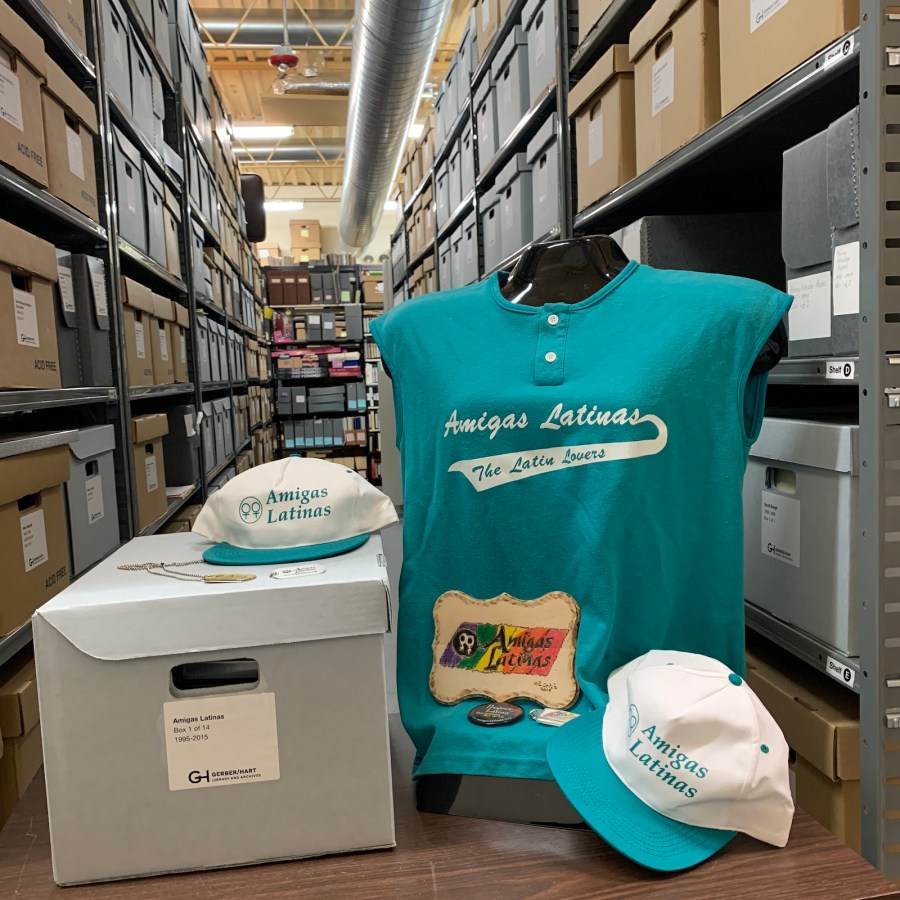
point(442, 194)
point(465, 268)
point(208, 436)
point(489, 210)
point(514, 189)
point(539, 21)
point(454, 180)
point(283, 677)
point(467, 161)
point(510, 74)
point(445, 264)
point(800, 503)
point(543, 157)
point(130, 191)
point(486, 121)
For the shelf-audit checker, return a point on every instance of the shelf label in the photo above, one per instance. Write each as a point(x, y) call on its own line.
point(845, 285)
point(663, 78)
point(150, 472)
point(10, 98)
point(595, 139)
point(810, 315)
point(140, 346)
point(763, 10)
point(839, 672)
point(781, 528)
point(76, 152)
point(840, 370)
point(838, 52)
point(93, 489)
point(217, 741)
point(66, 287)
point(101, 305)
point(34, 539)
point(26, 319)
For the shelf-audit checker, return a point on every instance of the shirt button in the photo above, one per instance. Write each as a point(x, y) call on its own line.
point(550, 357)
point(553, 319)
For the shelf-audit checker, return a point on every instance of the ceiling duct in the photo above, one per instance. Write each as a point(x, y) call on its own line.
point(393, 48)
point(282, 86)
point(287, 153)
point(264, 28)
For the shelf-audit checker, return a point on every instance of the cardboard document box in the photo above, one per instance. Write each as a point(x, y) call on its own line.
point(487, 21)
point(675, 51)
point(602, 105)
point(445, 263)
point(130, 198)
point(69, 17)
point(180, 333)
point(486, 125)
point(172, 227)
point(543, 158)
point(539, 22)
point(70, 126)
point(205, 368)
point(20, 728)
point(489, 211)
point(589, 13)
point(156, 221)
point(514, 189)
point(147, 109)
point(91, 498)
point(66, 322)
point(800, 504)
point(162, 344)
point(138, 308)
point(208, 436)
point(467, 160)
point(212, 338)
point(149, 467)
point(306, 233)
point(29, 357)
point(92, 307)
point(322, 779)
point(161, 13)
point(33, 534)
point(510, 74)
point(228, 424)
point(219, 429)
point(117, 53)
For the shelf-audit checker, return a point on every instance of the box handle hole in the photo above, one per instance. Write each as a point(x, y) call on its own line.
point(783, 480)
point(29, 501)
point(663, 44)
point(240, 674)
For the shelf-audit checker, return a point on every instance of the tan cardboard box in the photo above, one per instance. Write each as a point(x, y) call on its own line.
point(29, 357)
point(20, 728)
point(589, 12)
point(70, 17)
point(180, 329)
point(34, 547)
point(675, 51)
point(22, 143)
point(306, 233)
point(834, 804)
point(602, 105)
point(163, 342)
point(70, 125)
point(138, 308)
point(306, 254)
point(761, 42)
point(487, 21)
point(244, 461)
point(172, 224)
point(149, 467)
point(19, 711)
point(264, 251)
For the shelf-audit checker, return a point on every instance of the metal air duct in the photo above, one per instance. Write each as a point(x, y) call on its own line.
point(393, 47)
point(297, 84)
point(264, 28)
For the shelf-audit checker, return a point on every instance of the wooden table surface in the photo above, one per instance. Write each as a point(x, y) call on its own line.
point(450, 857)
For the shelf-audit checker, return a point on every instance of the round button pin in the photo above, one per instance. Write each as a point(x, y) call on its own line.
point(493, 714)
point(553, 319)
point(550, 357)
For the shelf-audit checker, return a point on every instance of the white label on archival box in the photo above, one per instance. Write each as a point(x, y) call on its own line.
point(663, 90)
point(76, 153)
point(595, 140)
point(150, 472)
point(34, 539)
point(26, 318)
point(781, 528)
point(845, 286)
point(141, 348)
point(839, 672)
point(840, 370)
point(93, 488)
point(10, 98)
point(163, 343)
point(66, 287)
point(810, 315)
point(98, 281)
point(217, 741)
point(763, 10)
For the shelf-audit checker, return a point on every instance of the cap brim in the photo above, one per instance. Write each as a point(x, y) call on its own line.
point(579, 766)
point(228, 555)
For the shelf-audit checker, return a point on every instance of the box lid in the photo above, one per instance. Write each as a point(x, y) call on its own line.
point(514, 40)
point(654, 23)
point(172, 203)
point(138, 296)
point(16, 32)
point(820, 719)
point(163, 308)
point(154, 181)
point(23, 251)
point(822, 445)
point(26, 471)
point(19, 711)
point(114, 615)
point(126, 148)
point(614, 62)
point(94, 441)
point(805, 232)
point(516, 165)
point(182, 316)
point(546, 135)
point(469, 222)
point(146, 428)
point(71, 96)
point(842, 168)
point(485, 85)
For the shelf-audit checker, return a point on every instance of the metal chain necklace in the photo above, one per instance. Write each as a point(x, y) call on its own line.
point(162, 569)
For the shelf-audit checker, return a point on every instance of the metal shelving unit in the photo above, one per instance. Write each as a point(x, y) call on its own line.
point(456, 129)
point(174, 507)
point(136, 260)
point(154, 391)
point(60, 45)
point(456, 217)
point(34, 400)
point(423, 186)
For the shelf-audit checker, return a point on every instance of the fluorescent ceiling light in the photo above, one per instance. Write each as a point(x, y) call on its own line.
point(416, 130)
point(390, 205)
point(283, 205)
point(270, 132)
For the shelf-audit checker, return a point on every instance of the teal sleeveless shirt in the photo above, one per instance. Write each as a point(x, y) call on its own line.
point(596, 449)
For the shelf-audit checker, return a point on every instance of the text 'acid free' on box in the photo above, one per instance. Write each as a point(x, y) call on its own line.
point(289, 771)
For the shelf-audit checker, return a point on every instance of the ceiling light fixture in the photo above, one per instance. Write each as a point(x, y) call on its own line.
point(283, 205)
point(416, 130)
point(390, 205)
point(263, 132)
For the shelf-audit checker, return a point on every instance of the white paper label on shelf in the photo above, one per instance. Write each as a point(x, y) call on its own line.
point(182, 340)
point(845, 274)
point(150, 472)
point(93, 489)
point(139, 340)
point(595, 139)
point(189, 425)
point(838, 52)
point(26, 319)
point(163, 342)
point(34, 539)
point(76, 152)
point(10, 98)
point(66, 287)
point(631, 241)
point(810, 315)
point(839, 672)
point(781, 528)
point(98, 283)
point(662, 93)
point(763, 10)
point(840, 370)
point(218, 741)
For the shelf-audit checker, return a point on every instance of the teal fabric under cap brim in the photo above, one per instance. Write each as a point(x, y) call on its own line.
point(579, 766)
point(228, 555)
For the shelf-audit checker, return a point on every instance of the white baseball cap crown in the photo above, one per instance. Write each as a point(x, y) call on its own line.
point(291, 510)
point(683, 756)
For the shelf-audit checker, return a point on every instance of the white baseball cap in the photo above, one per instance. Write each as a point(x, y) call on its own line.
point(291, 510)
point(683, 756)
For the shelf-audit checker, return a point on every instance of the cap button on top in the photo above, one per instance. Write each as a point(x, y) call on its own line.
point(735, 679)
point(553, 319)
point(550, 357)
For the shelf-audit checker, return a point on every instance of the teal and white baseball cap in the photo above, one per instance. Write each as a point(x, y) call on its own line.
point(683, 756)
point(291, 510)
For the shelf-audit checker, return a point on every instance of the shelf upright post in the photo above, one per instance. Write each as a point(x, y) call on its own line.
point(564, 144)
